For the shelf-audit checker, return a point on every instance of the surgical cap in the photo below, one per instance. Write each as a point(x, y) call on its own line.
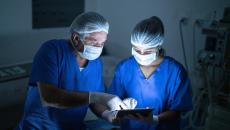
point(148, 33)
point(89, 22)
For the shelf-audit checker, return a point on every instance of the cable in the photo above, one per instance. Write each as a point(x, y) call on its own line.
point(182, 43)
point(194, 44)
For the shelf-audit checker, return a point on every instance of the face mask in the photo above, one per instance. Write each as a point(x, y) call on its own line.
point(91, 52)
point(144, 59)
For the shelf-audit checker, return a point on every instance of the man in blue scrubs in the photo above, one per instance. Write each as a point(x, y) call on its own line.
point(154, 80)
point(67, 76)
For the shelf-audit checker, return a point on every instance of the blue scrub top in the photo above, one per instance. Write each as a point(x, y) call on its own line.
point(166, 89)
point(55, 64)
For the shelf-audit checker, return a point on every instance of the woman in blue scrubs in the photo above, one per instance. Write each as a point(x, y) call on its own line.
point(154, 80)
point(67, 76)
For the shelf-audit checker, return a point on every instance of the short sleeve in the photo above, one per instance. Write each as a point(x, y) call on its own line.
point(180, 95)
point(45, 66)
point(116, 86)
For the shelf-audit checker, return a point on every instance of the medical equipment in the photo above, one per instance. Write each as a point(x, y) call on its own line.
point(215, 59)
point(217, 45)
point(211, 102)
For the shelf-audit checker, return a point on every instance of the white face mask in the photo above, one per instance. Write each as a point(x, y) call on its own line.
point(91, 52)
point(144, 59)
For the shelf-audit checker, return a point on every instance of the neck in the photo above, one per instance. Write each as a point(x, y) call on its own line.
point(82, 62)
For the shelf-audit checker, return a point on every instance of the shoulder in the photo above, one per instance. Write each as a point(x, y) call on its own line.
point(97, 63)
point(173, 63)
point(98, 60)
point(54, 43)
point(53, 46)
point(125, 64)
point(51, 50)
point(174, 66)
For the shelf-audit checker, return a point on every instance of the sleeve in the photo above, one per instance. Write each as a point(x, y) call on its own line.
point(180, 95)
point(116, 86)
point(45, 66)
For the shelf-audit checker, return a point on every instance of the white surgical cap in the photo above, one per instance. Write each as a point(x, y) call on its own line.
point(89, 22)
point(148, 33)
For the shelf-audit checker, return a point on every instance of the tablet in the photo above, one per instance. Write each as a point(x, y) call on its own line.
point(142, 111)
